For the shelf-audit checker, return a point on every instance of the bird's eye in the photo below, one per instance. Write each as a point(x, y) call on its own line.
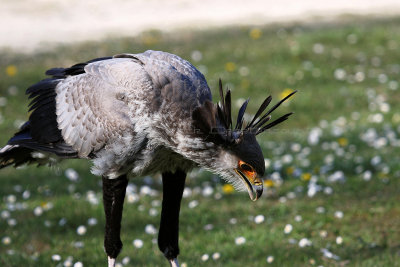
point(245, 167)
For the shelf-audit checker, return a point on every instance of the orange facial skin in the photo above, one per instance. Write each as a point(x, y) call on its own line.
point(249, 172)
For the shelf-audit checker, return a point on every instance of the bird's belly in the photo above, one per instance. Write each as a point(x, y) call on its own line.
point(162, 160)
point(147, 160)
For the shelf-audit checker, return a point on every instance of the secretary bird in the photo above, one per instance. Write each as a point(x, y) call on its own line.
point(140, 114)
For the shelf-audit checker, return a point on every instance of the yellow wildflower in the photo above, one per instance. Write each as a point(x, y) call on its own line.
point(245, 83)
point(227, 189)
point(11, 70)
point(269, 183)
point(290, 170)
point(285, 93)
point(255, 33)
point(230, 67)
point(343, 141)
point(306, 176)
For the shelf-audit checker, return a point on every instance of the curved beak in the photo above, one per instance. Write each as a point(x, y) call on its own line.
point(254, 185)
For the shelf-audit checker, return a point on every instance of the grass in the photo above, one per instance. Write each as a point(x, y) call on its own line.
point(338, 155)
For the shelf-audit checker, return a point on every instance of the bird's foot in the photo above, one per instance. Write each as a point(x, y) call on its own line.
point(111, 262)
point(174, 262)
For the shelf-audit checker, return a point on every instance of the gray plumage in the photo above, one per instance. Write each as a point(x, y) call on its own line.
point(140, 114)
point(129, 111)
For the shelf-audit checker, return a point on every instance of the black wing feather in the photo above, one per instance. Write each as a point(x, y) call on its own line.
point(40, 132)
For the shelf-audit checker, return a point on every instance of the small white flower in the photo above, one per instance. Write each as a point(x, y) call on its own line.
point(288, 229)
point(216, 256)
point(126, 260)
point(376, 160)
point(92, 198)
point(137, 243)
point(56, 257)
point(320, 210)
point(367, 175)
point(187, 192)
point(192, 204)
point(339, 240)
point(156, 203)
point(207, 191)
point(314, 136)
point(323, 233)
point(304, 242)
point(92, 221)
point(339, 214)
point(62, 222)
point(150, 229)
point(68, 263)
point(259, 219)
point(79, 244)
point(208, 227)
point(196, 55)
point(340, 74)
point(270, 259)
point(26, 194)
point(244, 71)
point(132, 197)
point(205, 257)
point(153, 212)
point(12, 222)
point(6, 240)
point(145, 190)
point(81, 230)
point(328, 190)
point(71, 174)
point(318, 48)
point(38, 211)
point(11, 198)
point(298, 218)
point(240, 240)
point(78, 264)
point(233, 221)
point(5, 214)
point(327, 254)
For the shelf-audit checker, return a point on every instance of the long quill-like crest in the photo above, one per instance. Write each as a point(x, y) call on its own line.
point(221, 121)
point(258, 124)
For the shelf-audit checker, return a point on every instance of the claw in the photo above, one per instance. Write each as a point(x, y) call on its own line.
point(174, 262)
point(111, 262)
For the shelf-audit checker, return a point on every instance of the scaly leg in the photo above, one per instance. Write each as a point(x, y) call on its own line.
point(173, 185)
point(113, 201)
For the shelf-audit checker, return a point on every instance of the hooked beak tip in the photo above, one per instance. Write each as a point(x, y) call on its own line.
point(254, 186)
point(255, 192)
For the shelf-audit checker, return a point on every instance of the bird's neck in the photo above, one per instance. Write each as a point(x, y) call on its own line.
point(196, 149)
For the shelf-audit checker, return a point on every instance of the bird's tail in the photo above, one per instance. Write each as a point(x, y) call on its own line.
point(16, 155)
point(23, 149)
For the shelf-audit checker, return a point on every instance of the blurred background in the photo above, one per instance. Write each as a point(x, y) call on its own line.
point(333, 173)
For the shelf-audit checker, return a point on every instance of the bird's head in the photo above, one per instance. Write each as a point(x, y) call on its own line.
point(240, 159)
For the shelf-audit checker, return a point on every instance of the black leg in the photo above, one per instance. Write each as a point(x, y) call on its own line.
point(173, 185)
point(113, 201)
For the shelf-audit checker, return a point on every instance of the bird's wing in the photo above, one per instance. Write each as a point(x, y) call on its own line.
point(165, 68)
point(92, 107)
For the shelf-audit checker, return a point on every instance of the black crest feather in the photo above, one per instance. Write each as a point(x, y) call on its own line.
point(217, 119)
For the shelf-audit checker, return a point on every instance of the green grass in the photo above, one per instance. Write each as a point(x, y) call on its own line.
point(352, 143)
